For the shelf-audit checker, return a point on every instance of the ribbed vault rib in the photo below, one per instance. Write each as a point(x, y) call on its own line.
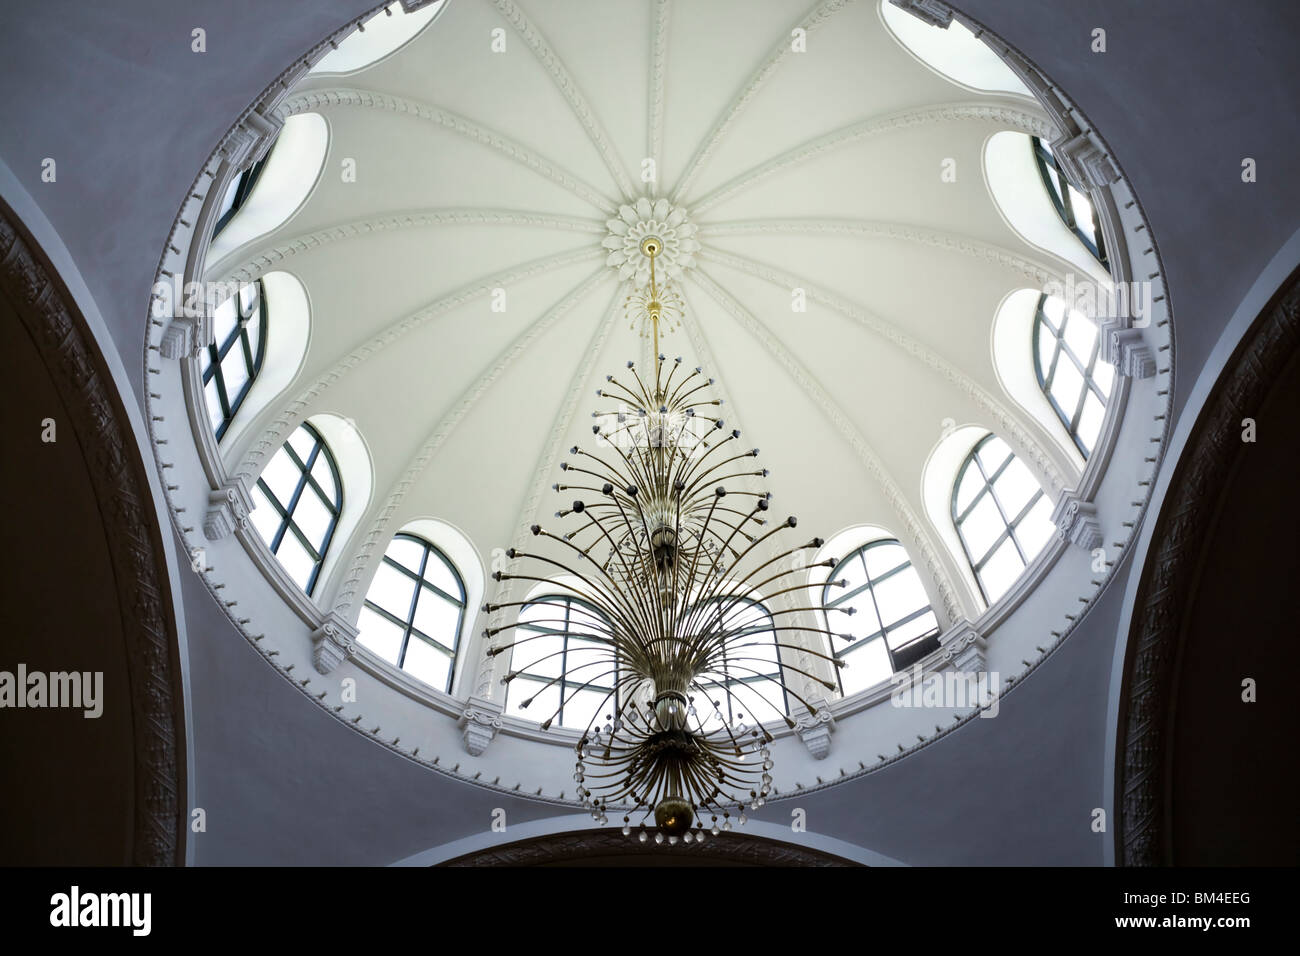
point(363, 99)
point(835, 415)
point(275, 433)
point(530, 509)
point(484, 380)
point(267, 258)
point(1036, 272)
point(569, 87)
point(1011, 427)
point(1008, 116)
point(704, 355)
point(782, 48)
point(658, 77)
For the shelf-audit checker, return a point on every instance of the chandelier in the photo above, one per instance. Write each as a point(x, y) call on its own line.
point(669, 540)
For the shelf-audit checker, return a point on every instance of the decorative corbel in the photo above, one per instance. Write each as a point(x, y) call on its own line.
point(1125, 348)
point(479, 723)
point(964, 647)
point(1076, 521)
point(1084, 160)
point(228, 508)
point(815, 729)
point(332, 642)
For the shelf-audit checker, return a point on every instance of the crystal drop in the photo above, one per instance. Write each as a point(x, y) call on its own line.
point(659, 838)
point(643, 837)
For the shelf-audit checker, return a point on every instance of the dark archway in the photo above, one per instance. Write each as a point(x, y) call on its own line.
point(1204, 777)
point(84, 588)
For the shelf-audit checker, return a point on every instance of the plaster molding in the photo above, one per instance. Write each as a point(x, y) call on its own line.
point(658, 76)
point(186, 335)
point(315, 101)
point(229, 506)
point(293, 412)
point(836, 416)
point(782, 48)
point(410, 6)
point(479, 723)
point(1076, 521)
point(251, 138)
point(265, 259)
point(332, 642)
point(1008, 424)
point(1016, 116)
point(934, 12)
point(1035, 272)
point(75, 366)
point(568, 86)
point(964, 647)
point(1173, 562)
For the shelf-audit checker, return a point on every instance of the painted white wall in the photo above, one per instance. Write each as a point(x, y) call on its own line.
point(357, 471)
point(936, 491)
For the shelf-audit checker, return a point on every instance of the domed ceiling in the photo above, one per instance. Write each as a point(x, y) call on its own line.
point(466, 284)
point(462, 227)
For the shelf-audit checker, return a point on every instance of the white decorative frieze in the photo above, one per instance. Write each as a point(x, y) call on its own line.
point(479, 723)
point(934, 12)
point(1084, 160)
point(1076, 521)
point(815, 729)
point(1125, 348)
point(332, 642)
point(228, 508)
point(964, 647)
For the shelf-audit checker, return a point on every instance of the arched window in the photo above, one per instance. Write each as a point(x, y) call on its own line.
point(559, 641)
point(415, 610)
point(740, 690)
point(235, 356)
point(1002, 515)
point(237, 193)
point(892, 624)
point(1066, 359)
point(296, 504)
point(1074, 208)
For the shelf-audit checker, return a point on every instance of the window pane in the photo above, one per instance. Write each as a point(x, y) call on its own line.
point(379, 635)
point(865, 667)
point(539, 654)
point(1046, 349)
point(913, 629)
point(1001, 571)
point(863, 623)
point(404, 551)
point(311, 517)
point(324, 476)
point(302, 441)
point(982, 527)
point(1067, 383)
point(899, 596)
point(993, 453)
point(224, 321)
point(1090, 421)
point(213, 401)
point(438, 574)
point(884, 557)
point(235, 371)
point(1103, 373)
point(1014, 487)
point(426, 662)
point(543, 706)
point(437, 618)
point(581, 707)
point(281, 476)
point(1054, 310)
point(971, 483)
point(392, 591)
point(1080, 335)
point(296, 561)
point(1036, 529)
point(266, 520)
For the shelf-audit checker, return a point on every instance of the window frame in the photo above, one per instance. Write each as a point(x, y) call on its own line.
point(565, 634)
point(408, 625)
point(217, 352)
point(769, 628)
point(244, 185)
point(1071, 422)
point(1056, 182)
point(285, 513)
point(1009, 527)
point(869, 586)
